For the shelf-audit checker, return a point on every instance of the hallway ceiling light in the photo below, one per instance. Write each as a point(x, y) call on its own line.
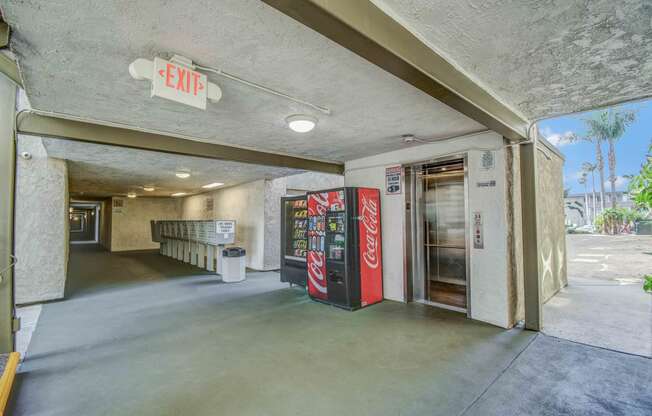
point(183, 174)
point(131, 195)
point(213, 185)
point(179, 194)
point(301, 123)
point(148, 188)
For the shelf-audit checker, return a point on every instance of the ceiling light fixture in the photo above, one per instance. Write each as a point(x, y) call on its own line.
point(213, 185)
point(148, 188)
point(183, 174)
point(301, 123)
point(179, 194)
point(131, 195)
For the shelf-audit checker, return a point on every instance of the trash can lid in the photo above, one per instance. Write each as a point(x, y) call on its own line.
point(233, 252)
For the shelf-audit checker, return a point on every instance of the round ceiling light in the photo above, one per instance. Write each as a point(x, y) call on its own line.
point(131, 195)
point(148, 188)
point(301, 123)
point(179, 194)
point(183, 174)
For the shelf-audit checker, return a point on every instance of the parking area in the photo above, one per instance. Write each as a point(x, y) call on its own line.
point(604, 303)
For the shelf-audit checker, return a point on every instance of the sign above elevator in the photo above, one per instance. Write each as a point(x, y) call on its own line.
point(393, 180)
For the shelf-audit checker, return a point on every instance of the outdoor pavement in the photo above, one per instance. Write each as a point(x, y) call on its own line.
point(604, 304)
point(167, 342)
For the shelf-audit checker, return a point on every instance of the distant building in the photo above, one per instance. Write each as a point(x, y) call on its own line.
point(578, 214)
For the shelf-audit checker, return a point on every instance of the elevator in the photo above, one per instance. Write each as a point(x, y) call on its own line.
point(437, 218)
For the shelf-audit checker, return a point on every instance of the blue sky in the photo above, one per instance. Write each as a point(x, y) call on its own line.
point(630, 150)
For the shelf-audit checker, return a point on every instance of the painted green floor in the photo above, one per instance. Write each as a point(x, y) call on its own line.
point(171, 343)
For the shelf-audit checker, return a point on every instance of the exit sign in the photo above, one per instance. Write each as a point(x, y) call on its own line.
point(179, 83)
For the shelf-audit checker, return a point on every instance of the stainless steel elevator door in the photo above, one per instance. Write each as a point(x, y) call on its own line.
point(444, 225)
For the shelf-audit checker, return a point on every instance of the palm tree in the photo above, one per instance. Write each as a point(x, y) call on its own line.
point(590, 168)
point(599, 161)
point(582, 180)
point(609, 126)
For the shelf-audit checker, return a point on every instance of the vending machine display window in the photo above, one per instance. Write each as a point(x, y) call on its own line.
point(296, 229)
point(294, 239)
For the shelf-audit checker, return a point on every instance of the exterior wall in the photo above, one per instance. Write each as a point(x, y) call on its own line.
point(41, 224)
point(489, 275)
point(573, 216)
point(517, 280)
point(550, 222)
point(131, 230)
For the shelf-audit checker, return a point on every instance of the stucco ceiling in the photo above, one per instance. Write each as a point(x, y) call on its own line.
point(100, 171)
point(74, 59)
point(541, 57)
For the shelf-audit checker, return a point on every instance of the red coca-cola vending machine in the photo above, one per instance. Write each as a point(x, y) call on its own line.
point(344, 258)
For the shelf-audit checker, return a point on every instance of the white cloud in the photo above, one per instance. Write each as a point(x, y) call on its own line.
point(621, 183)
point(557, 139)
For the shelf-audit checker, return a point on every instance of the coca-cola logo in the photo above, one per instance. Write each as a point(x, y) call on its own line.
point(316, 270)
point(369, 214)
point(319, 204)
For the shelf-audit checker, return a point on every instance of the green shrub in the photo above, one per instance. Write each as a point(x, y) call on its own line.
point(647, 283)
point(617, 220)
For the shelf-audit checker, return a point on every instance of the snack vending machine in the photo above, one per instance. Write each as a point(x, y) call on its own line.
point(344, 256)
point(294, 239)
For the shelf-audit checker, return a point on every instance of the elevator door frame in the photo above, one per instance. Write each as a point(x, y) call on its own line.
point(414, 231)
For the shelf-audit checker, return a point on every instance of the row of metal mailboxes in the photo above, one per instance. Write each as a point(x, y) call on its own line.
point(212, 232)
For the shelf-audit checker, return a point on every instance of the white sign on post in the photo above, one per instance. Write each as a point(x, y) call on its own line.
point(393, 180)
point(179, 83)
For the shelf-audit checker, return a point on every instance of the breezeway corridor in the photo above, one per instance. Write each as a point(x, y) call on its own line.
point(142, 334)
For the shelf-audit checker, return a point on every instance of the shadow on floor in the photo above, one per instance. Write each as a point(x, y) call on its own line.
point(91, 268)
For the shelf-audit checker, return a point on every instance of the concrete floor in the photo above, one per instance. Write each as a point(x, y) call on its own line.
point(145, 335)
point(604, 304)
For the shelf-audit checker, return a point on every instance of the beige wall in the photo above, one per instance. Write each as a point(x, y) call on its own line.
point(550, 222)
point(243, 203)
point(41, 224)
point(130, 229)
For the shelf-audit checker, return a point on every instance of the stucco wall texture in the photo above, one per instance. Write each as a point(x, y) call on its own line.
point(41, 235)
point(550, 222)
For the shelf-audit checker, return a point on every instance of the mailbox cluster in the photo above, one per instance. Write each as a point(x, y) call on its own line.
point(199, 243)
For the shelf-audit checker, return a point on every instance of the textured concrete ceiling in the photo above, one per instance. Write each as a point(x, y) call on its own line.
point(99, 170)
point(541, 57)
point(74, 58)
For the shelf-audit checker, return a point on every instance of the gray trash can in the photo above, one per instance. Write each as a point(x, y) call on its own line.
point(233, 264)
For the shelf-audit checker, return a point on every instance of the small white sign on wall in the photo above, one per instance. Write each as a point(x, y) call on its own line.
point(488, 160)
point(118, 206)
point(393, 180)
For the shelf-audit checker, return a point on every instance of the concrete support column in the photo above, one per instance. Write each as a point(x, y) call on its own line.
point(7, 177)
point(201, 253)
point(194, 246)
point(210, 258)
point(531, 267)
